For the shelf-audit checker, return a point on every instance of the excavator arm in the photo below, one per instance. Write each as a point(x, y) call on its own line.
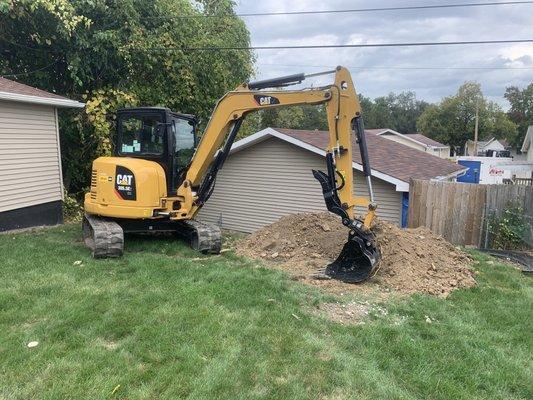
point(360, 255)
point(343, 114)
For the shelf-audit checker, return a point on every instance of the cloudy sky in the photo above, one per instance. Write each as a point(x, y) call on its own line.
point(378, 71)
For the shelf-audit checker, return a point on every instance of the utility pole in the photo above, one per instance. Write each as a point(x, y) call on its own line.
point(476, 128)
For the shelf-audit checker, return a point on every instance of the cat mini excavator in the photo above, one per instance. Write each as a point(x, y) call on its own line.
point(161, 174)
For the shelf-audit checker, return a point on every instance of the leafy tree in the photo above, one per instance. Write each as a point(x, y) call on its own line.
point(452, 120)
point(521, 112)
point(307, 117)
point(396, 111)
point(118, 53)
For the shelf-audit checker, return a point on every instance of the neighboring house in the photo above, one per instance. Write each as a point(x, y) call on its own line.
point(488, 148)
point(30, 160)
point(268, 175)
point(414, 140)
point(527, 145)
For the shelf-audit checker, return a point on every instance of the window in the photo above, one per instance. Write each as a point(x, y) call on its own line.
point(183, 131)
point(141, 134)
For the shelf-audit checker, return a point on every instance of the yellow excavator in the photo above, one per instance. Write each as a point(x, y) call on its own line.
point(161, 174)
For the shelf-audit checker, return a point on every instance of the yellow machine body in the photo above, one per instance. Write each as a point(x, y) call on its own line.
point(146, 182)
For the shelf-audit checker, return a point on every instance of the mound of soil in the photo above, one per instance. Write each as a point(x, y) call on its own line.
point(412, 260)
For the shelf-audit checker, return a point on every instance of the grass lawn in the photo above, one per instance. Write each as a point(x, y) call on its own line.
point(162, 324)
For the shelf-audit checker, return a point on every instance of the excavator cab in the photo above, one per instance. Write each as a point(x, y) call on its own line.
point(159, 135)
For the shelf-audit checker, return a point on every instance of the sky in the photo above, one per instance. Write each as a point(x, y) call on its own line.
point(381, 73)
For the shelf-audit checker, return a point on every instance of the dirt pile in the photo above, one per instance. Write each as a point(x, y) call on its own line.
point(413, 260)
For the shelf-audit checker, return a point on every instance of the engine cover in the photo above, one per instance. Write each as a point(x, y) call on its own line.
point(124, 187)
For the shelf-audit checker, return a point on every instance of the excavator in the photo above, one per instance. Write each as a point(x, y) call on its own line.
point(162, 173)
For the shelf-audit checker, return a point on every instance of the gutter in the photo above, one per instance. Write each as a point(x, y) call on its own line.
point(49, 101)
point(455, 174)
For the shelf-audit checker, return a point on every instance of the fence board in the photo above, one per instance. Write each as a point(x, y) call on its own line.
point(458, 211)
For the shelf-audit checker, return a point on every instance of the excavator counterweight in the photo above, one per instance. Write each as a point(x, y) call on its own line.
point(161, 174)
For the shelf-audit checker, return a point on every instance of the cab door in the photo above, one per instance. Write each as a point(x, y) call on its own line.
point(183, 139)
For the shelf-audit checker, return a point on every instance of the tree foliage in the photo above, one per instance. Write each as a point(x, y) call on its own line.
point(395, 111)
point(521, 111)
point(452, 120)
point(118, 53)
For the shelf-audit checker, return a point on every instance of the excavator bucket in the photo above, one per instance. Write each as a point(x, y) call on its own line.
point(357, 261)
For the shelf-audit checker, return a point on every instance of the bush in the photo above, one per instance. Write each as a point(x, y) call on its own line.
point(508, 230)
point(72, 209)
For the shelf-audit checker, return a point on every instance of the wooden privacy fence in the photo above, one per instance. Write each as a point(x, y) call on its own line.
point(458, 211)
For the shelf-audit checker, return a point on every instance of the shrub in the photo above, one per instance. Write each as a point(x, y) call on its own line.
point(509, 229)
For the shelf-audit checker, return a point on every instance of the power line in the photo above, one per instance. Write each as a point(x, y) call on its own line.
point(336, 46)
point(30, 72)
point(398, 68)
point(354, 10)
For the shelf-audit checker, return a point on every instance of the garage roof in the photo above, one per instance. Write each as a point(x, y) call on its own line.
point(16, 91)
point(391, 161)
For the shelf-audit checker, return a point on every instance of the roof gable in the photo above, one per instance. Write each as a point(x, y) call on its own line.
point(413, 137)
point(425, 140)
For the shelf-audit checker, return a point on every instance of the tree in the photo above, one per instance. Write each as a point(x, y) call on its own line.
point(452, 120)
point(521, 111)
point(395, 111)
point(118, 53)
point(309, 117)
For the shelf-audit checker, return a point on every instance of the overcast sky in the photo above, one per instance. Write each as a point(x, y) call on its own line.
point(475, 23)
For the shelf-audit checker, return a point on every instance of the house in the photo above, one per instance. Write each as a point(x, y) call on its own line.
point(31, 189)
point(488, 148)
point(527, 145)
point(414, 140)
point(268, 175)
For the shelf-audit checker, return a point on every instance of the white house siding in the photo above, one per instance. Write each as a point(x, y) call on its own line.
point(442, 152)
point(29, 155)
point(404, 141)
point(268, 180)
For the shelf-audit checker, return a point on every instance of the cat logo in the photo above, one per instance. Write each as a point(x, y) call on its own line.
point(266, 100)
point(125, 184)
point(124, 180)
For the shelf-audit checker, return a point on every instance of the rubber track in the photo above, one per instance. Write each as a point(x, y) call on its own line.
point(206, 238)
point(103, 237)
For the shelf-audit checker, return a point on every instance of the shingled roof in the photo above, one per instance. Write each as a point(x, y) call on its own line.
point(16, 91)
point(386, 156)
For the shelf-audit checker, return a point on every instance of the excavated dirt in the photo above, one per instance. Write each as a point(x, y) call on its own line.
point(412, 260)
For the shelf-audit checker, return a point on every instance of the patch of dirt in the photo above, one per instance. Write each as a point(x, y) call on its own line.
point(106, 344)
point(352, 313)
point(412, 260)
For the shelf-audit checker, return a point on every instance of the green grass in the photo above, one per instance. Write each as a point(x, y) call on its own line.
point(164, 325)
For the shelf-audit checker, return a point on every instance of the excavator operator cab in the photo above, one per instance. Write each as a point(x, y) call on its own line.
point(160, 135)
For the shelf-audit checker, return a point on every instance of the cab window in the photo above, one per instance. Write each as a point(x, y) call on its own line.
point(184, 142)
point(141, 135)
